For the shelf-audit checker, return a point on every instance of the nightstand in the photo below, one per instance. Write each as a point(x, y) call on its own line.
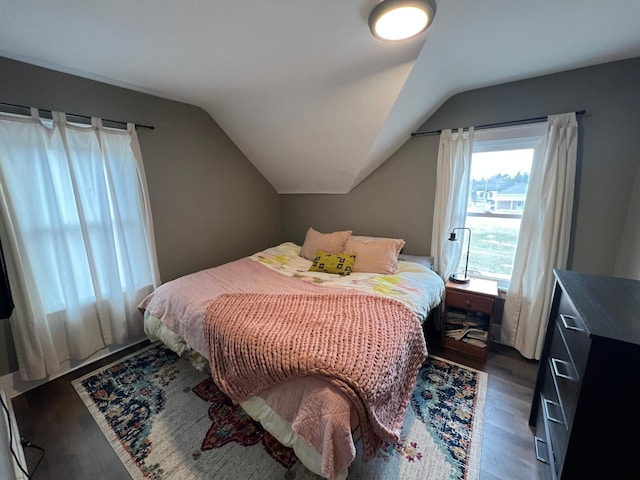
point(469, 316)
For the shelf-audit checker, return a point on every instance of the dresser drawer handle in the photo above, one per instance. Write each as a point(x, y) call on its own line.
point(539, 457)
point(568, 368)
point(570, 323)
point(545, 404)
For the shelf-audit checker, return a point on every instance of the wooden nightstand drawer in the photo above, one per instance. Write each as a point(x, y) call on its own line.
point(468, 301)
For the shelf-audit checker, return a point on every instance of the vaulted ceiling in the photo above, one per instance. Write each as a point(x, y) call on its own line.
point(303, 89)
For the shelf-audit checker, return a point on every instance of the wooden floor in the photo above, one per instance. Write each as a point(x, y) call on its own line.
point(507, 444)
point(53, 417)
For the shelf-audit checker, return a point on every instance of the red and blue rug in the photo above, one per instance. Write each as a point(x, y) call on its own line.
point(167, 420)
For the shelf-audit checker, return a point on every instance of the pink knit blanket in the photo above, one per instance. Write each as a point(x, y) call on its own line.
point(368, 346)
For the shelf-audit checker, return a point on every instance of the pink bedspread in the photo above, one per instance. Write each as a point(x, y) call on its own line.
point(182, 303)
point(370, 347)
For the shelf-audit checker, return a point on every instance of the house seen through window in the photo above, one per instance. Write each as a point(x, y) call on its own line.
point(500, 169)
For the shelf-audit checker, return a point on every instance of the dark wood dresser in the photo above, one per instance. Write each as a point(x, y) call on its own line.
point(586, 406)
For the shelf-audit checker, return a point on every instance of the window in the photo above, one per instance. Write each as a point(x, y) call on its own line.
point(108, 241)
point(76, 220)
point(500, 169)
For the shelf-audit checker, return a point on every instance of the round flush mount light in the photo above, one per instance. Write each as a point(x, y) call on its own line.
point(401, 19)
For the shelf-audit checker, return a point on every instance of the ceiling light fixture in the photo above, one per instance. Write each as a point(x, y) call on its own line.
point(401, 19)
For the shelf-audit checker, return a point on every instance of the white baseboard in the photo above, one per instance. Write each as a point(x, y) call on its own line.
point(13, 385)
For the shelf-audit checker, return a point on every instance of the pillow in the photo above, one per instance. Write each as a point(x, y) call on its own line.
point(329, 242)
point(340, 263)
point(424, 260)
point(366, 239)
point(375, 255)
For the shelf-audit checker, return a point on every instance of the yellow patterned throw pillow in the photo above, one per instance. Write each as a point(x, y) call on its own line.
point(339, 263)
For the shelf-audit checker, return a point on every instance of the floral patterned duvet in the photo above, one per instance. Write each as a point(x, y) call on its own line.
point(420, 288)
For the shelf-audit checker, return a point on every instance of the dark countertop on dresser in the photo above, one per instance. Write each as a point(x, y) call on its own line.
point(609, 306)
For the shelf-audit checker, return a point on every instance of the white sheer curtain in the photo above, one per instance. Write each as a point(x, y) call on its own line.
point(543, 242)
point(628, 262)
point(452, 195)
point(78, 237)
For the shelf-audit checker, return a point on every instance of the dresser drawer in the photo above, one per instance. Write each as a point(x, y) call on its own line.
point(564, 373)
point(574, 333)
point(555, 419)
point(468, 301)
point(544, 452)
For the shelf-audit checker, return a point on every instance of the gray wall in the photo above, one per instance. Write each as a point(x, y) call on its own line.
point(398, 198)
point(209, 203)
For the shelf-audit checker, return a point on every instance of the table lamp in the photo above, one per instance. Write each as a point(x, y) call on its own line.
point(459, 277)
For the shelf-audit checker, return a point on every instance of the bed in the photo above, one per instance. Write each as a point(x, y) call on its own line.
point(180, 314)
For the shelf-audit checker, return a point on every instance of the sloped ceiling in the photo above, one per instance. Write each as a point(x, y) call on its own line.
point(302, 87)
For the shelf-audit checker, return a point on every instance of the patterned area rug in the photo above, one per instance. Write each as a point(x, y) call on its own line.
point(167, 420)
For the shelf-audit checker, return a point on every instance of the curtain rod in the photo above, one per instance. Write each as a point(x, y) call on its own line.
point(137, 125)
point(524, 121)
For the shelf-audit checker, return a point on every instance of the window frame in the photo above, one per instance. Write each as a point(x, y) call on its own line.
point(519, 137)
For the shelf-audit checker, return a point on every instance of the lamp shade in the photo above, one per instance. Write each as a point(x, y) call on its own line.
point(460, 277)
point(401, 19)
point(451, 251)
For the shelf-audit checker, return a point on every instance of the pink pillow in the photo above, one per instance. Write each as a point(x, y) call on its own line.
point(375, 255)
point(329, 242)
